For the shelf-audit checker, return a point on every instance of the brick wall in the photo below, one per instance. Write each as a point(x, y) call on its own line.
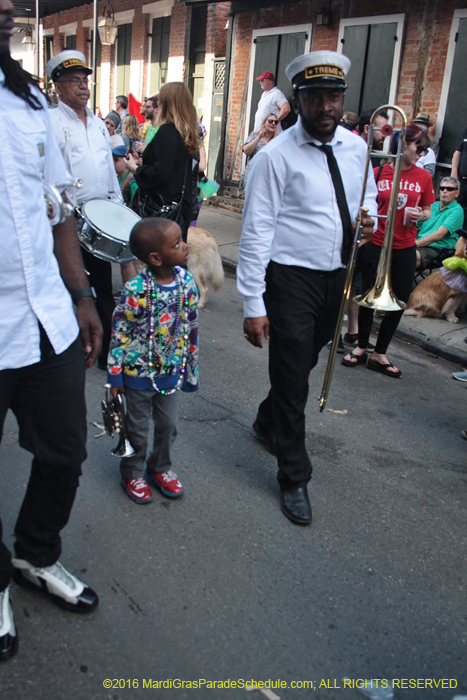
point(179, 37)
point(427, 30)
point(244, 24)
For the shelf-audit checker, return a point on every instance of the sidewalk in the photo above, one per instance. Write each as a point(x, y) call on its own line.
point(437, 336)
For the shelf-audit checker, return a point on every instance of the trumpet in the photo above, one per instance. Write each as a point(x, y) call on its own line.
point(380, 296)
point(113, 413)
point(57, 208)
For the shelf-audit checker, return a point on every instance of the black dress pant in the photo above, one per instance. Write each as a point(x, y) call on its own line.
point(302, 307)
point(47, 399)
point(100, 277)
point(462, 198)
point(403, 263)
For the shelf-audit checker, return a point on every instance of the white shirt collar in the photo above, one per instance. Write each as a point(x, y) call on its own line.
point(304, 138)
point(71, 112)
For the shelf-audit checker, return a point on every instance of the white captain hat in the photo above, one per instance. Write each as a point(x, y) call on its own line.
point(318, 69)
point(65, 61)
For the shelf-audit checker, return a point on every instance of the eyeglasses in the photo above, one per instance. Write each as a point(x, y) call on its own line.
point(448, 189)
point(421, 149)
point(76, 82)
point(273, 121)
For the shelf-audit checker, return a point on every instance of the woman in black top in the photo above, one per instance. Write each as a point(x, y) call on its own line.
point(167, 159)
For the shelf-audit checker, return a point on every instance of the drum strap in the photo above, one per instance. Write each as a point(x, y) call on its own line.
point(70, 192)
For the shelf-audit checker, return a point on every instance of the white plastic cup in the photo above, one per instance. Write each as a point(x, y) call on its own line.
point(409, 212)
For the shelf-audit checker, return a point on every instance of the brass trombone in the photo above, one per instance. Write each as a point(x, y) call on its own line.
point(380, 296)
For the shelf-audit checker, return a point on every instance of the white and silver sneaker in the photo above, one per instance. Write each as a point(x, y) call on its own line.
point(66, 590)
point(8, 636)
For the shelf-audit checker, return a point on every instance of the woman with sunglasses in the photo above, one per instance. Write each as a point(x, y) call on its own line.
point(254, 143)
point(415, 194)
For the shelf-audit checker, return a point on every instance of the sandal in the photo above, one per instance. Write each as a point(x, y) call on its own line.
point(361, 359)
point(383, 369)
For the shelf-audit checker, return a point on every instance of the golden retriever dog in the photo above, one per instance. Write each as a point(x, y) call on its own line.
point(432, 297)
point(204, 262)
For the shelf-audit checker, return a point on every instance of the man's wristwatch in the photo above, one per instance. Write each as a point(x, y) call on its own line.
point(87, 292)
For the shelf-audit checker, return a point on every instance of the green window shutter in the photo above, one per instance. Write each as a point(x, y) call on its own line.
point(371, 49)
point(123, 59)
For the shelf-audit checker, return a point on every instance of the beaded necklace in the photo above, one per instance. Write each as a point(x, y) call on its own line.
point(125, 182)
point(162, 362)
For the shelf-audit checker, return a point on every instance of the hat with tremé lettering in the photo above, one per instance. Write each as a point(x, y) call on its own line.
point(318, 69)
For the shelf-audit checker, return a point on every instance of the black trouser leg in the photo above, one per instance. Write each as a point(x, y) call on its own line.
point(462, 199)
point(48, 401)
point(302, 306)
point(100, 277)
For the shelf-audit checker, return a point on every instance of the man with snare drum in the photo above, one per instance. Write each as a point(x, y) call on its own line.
point(42, 357)
point(85, 144)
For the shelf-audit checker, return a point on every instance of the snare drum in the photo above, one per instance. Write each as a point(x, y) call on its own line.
point(104, 229)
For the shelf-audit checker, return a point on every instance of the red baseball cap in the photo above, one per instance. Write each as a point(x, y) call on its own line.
point(266, 76)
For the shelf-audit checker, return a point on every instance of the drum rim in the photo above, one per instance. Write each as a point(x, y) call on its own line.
point(89, 222)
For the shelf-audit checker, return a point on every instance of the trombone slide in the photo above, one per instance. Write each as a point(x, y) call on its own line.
point(345, 297)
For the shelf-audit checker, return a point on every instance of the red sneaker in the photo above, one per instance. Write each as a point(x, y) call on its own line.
point(137, 490)
point(167, 483)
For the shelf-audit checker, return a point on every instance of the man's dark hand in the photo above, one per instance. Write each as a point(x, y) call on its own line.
point(367, 230)
point(253, 329)
point(90, 329)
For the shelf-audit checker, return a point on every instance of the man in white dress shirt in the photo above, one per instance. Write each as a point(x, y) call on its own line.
point(84, 142)
point(272, 101)
point(296, 239)
point(42, 358)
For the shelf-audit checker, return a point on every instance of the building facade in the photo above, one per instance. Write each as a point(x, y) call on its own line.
point(406, 52)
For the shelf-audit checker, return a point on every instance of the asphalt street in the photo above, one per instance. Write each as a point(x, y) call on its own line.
point(220, 586)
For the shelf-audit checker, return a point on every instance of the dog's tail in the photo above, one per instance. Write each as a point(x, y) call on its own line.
point(217, 276)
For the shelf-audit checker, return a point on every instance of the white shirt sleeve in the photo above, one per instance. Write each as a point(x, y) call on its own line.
point(280, 98)
point(262, 205)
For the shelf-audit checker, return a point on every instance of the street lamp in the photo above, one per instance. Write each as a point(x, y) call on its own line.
point(28, 42)
point(108, 27)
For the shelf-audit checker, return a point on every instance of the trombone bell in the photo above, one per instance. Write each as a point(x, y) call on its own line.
point(382, 299)
point(113, 413)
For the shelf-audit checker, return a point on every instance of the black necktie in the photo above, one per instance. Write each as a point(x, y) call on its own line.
point(347, 238)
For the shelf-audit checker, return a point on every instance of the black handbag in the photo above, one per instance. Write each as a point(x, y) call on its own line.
point(152, 205)
point(146, 207)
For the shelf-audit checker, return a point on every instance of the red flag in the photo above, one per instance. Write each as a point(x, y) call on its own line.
point(133, 108)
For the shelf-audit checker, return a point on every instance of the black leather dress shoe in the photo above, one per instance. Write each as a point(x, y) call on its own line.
point(296, 506)
point(266, 436)
point(8, 636)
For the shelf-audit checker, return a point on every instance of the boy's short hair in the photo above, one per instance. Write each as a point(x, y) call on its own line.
point(148, 236)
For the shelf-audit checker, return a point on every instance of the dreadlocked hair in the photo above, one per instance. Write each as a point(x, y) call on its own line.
point(19, 81)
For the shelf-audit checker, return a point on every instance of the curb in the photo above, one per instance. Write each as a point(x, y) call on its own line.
point(432, 347)
point(408, 336)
